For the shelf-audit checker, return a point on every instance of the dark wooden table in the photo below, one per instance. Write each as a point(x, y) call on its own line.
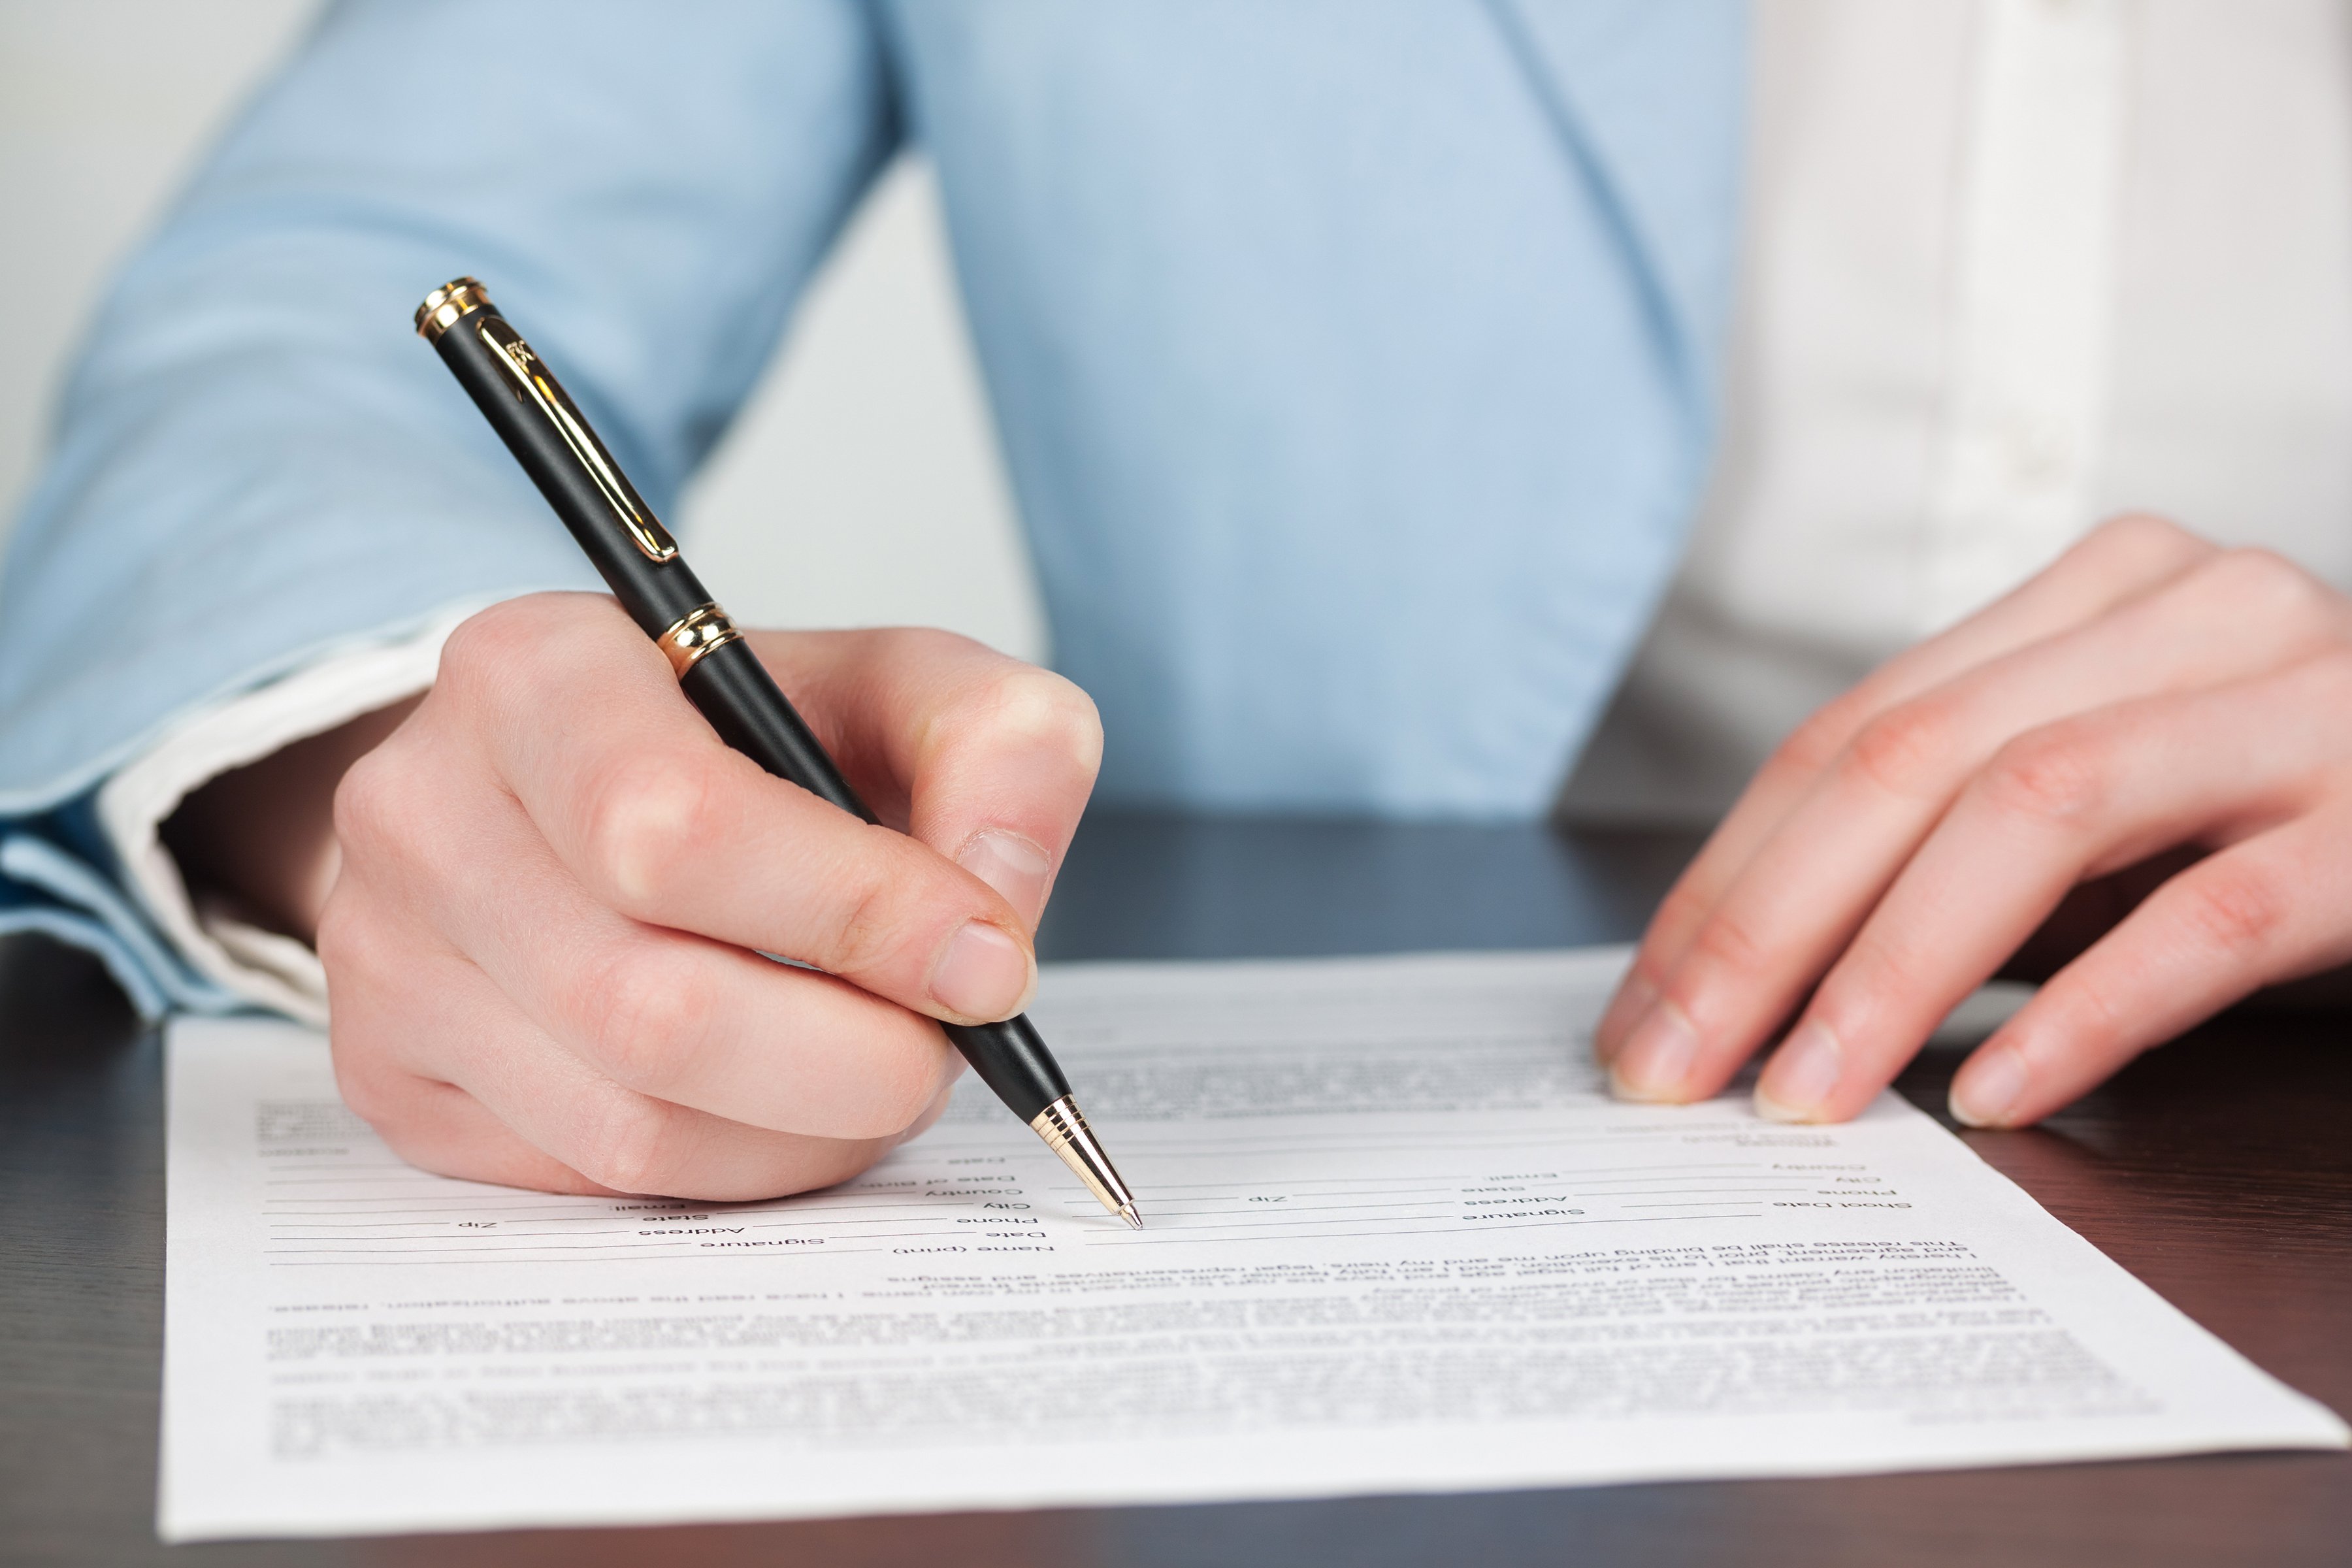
point(2218, 1170)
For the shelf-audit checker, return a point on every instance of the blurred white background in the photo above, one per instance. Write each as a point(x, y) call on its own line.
point(861, 487)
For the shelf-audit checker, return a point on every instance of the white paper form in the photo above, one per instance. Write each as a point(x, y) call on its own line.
point(1399, 1239)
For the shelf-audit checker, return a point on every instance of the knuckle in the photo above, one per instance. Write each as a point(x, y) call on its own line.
point(1886, 960)
point(2328, 681)
point(2141, 536)
point(1040, 706)
point(1909, 750)
point(641, 816)
point(631, 1145)
point(900, 1087)
point(1726, 946)
point(341, 942)
point(369, 803)
point(919, 644)
point(829, 1163)
point(390, 801)
point(644, 1020)
point(1814, 744)
point(364, 1090)
point(2265, 584)
point(496, 660)
point(372, 1085)
point(492, 641)
point(1685, 907)
point(2237, 908)
point(2094, 1011)
point(2058, 774)
point(362, 956)
point(875, 918)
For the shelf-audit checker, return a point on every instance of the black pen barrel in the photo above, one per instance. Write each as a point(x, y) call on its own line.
point(715, 667)
point(1011, 1057)
point(729, 686)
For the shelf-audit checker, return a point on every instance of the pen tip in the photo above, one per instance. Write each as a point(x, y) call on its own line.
point(1127, 1212)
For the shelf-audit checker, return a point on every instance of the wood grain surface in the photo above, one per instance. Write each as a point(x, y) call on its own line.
point(2217, 1169)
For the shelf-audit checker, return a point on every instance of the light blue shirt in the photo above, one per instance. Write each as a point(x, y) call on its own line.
point(1354, 360)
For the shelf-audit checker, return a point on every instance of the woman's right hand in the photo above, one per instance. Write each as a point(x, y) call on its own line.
point(543, 946)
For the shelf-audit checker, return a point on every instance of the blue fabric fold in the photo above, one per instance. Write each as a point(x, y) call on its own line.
point(57, 877)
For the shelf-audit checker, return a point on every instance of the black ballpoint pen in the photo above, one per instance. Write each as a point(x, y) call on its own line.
point(715, 667)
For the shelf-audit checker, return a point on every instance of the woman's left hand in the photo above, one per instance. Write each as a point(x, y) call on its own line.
point(2148, 693)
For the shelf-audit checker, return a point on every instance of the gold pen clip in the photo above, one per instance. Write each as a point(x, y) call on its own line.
point(532, 384)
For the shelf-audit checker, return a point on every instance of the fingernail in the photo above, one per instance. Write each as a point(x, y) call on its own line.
point(1989, 1085)
point(1802, 1075)
point(983, 974)
point(1634, 997)
point(1657, 1057)
point(1012, 865)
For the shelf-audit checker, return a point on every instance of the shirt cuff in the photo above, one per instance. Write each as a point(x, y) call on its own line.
point(261, 967)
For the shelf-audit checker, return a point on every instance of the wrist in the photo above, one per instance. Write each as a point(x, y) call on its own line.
point(260, 840)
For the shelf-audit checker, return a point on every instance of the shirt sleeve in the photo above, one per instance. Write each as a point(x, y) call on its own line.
point(243, 961)
point(260, 473)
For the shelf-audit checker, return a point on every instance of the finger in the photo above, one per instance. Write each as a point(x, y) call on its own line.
point(2066, 804)
point(2093, 908)
point(984, 758)
point(377, 1016)
point(677, 1016)
point(440, 1128)
point(584, 724)
point(437, 1020)
point(2273, 908)
point(2121, 560)
point(375, 1019)
point(1805, 892)
point(633, 1143)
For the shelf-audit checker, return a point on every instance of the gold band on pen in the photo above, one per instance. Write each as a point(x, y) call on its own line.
point(1064, 1128)
point(445, 304)
point(687, 640)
